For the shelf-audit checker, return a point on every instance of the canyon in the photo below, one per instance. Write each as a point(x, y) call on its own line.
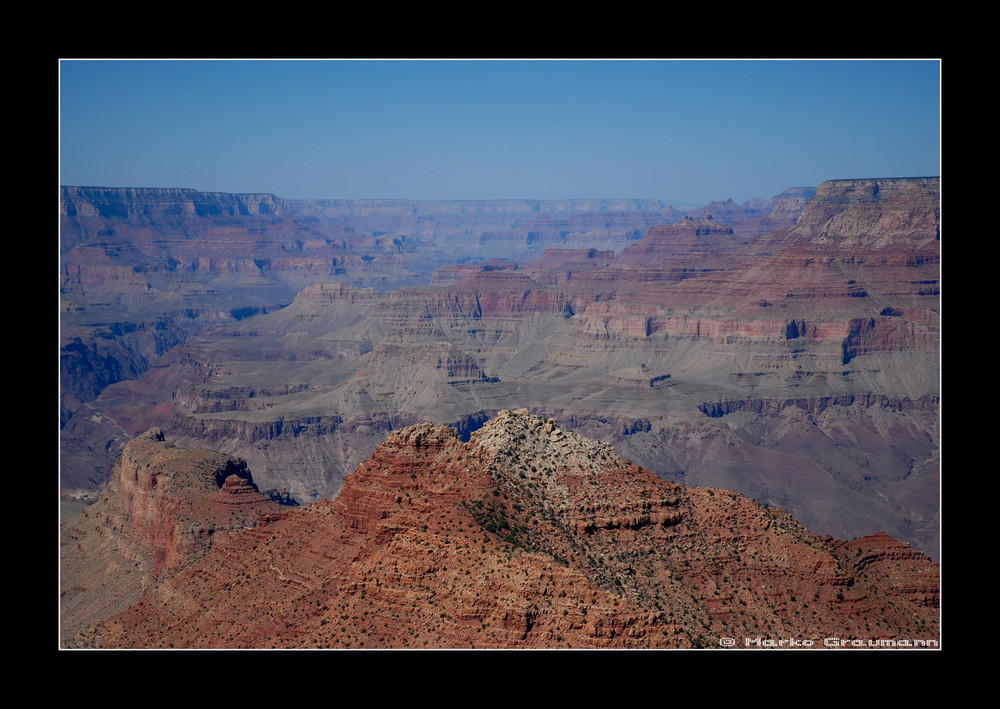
point(784, 349)
point(142, 270)
point(526, 535)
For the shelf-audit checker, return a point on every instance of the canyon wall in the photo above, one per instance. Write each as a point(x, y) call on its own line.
point(798, 365)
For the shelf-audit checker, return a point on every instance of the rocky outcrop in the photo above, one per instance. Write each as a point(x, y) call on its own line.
point(170, 502)
point(874, 213)
point(890, 334)
point(165, 508)
point(898, 566)
point(526, 536)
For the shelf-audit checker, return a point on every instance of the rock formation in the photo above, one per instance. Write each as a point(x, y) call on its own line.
point(797, 366)
point(528, 535)
point(144, 269)
point(164, 508)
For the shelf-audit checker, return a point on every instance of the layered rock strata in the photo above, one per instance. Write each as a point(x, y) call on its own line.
point(529, 535)
point(165, 508)
point(686, 352)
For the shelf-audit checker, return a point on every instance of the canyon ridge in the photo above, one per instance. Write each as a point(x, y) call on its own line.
point(526, 536)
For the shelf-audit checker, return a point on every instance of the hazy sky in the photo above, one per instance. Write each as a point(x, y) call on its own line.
point(686, 132)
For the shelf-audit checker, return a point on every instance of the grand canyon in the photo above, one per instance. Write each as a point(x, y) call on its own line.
point(510, 424)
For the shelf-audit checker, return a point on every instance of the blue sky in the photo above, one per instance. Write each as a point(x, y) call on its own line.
point(685, 132)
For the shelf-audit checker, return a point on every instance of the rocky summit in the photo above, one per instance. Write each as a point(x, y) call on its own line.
point(527, 535)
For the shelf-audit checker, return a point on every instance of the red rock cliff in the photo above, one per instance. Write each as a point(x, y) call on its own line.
point(170, 502)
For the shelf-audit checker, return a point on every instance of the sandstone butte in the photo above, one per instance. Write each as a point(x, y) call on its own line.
point(526, 536)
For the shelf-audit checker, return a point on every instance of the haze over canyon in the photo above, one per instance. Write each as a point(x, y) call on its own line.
point(499, 424)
